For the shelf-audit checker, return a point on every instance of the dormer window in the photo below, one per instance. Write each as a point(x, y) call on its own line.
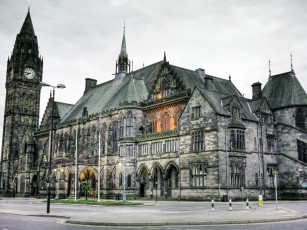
point(236, 113)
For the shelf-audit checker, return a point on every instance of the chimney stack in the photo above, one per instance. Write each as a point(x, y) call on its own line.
point(201, 72)
point(208, 82)
point(257, 94)
point(89, 84)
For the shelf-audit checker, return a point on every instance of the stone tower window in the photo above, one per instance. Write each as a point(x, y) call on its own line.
point(300, 119)
point(301, 150)
point(129, 125)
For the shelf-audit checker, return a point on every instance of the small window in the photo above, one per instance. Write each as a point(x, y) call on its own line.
point(270, 142)
point(237, 140)
point(129, 150)
point(196, 112)
point(199, 175)
point(197, 140)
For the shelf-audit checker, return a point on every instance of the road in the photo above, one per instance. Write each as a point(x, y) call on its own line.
point(18, 222)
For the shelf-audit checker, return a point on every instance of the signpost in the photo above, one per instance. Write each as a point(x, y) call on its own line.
point(260, 200)
point(275, 182)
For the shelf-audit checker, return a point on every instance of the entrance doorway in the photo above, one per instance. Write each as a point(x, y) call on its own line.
point(142, 190)
point(88, 175)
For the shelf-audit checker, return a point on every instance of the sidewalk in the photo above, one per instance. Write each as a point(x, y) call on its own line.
point(162, 213)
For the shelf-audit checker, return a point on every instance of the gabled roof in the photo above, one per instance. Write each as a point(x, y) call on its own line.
point(135, 87)
point(284, 90)
point(27, 27)
point(217, 99)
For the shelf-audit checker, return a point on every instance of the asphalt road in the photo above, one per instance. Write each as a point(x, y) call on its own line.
point(18, 222)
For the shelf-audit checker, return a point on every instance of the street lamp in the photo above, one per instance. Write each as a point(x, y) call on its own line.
point(58, 176)
point(59, 86)
point(124, 195)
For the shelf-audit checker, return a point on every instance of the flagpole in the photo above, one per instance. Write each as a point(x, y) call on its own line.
point(99, 158)
point(76, 162)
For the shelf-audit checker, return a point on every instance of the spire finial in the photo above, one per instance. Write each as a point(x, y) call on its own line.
point(143, 64)
point(29, 9)
point(124, 27)
point(270, 67)
point(291, 62)
point(164, 57)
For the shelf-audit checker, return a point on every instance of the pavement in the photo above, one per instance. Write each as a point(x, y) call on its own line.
point(151, 213)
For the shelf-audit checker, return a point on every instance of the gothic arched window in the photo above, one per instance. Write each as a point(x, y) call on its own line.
point(300, 119)
point(165, 90)
point(129, 125)
point(166, 122)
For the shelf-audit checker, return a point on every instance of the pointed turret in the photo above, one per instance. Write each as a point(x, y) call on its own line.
point(27, 27)
point(123, 64)
point(123, 50)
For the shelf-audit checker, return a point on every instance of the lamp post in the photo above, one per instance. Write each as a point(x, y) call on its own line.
point(58, 176)
point(124, 194)
point(59, 86)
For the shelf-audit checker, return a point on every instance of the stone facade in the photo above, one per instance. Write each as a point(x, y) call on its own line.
point(161, 131)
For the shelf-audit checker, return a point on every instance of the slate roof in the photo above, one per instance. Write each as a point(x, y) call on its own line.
point(135, 87)
point(63, 108)
point(284, 90)
point(255, 104)
point(219, 101)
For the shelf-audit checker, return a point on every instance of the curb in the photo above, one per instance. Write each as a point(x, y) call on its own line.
point(183, 224)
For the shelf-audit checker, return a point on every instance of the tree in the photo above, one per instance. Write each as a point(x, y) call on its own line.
point(86, 187)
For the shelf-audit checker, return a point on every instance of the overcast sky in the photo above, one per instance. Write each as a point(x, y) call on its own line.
point(82, 38)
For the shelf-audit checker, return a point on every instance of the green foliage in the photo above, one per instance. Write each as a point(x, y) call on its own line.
point(86, 187)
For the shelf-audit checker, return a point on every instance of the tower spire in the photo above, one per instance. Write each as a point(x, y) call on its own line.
point(27, 27)
point(122, 64)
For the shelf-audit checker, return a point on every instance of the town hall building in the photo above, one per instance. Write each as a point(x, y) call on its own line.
point(161, 130)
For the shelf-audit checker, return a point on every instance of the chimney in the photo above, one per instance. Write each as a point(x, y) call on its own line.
point(201, 72)
point(89, 84)
point(257, 94)
point(208, 82)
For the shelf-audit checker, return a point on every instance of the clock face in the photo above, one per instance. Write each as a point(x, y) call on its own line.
point(29, 73)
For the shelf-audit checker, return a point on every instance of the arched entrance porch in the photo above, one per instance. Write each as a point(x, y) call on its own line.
point(88, 174)
point(144, 181)
point(172, 179)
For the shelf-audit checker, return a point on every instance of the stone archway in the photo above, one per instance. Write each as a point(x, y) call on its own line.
point(86, 175)
point(69, 183)
point(172, 179)
point(158, 182)
point(144, 181)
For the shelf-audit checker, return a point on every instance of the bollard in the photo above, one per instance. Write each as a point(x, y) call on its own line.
point(247, 206)
point(212, 205)
point(230, 205)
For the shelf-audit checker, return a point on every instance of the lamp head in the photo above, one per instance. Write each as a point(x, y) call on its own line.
point(61, 86)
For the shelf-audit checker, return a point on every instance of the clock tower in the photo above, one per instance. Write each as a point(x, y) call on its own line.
point(21, 116)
